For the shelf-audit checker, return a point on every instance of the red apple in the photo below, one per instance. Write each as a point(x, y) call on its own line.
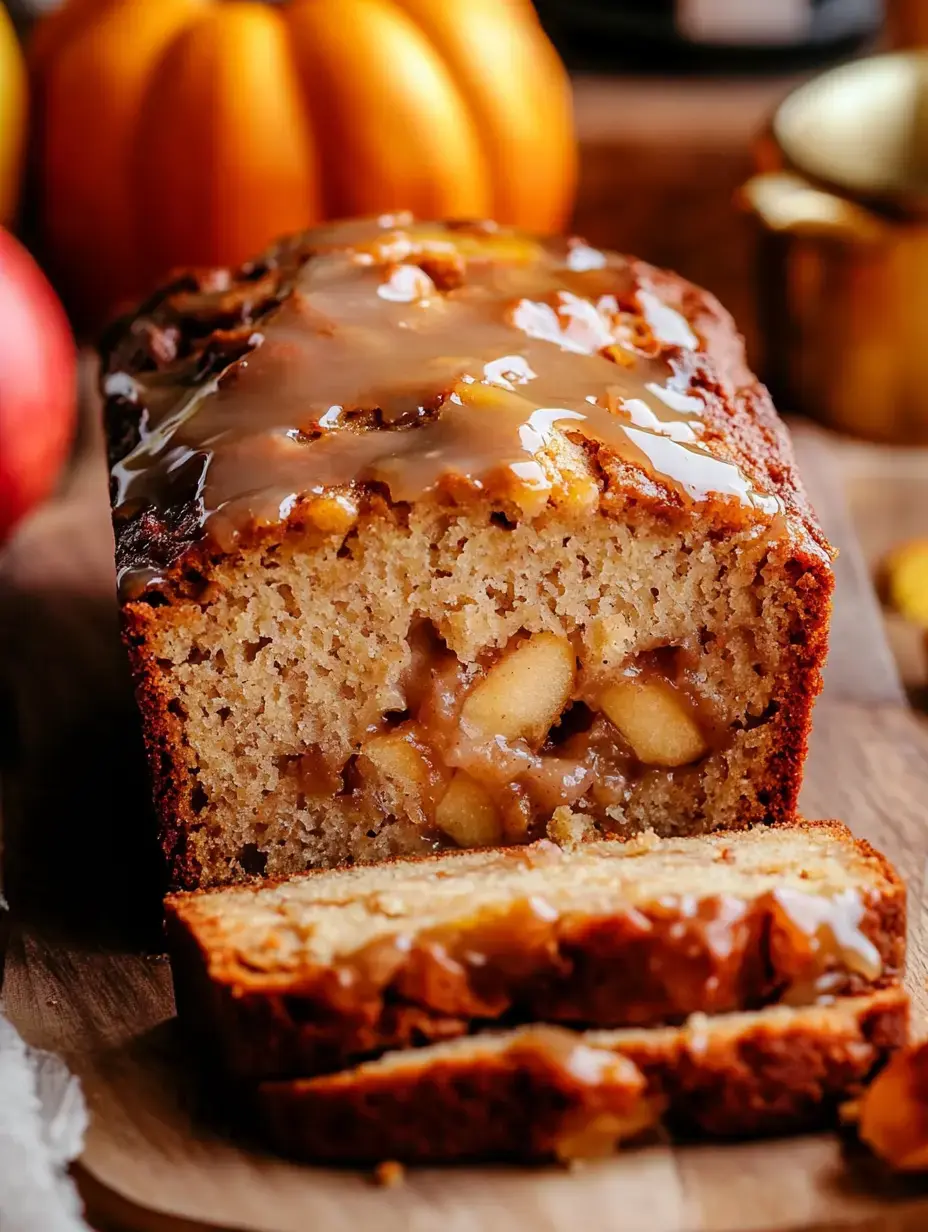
point(37, 384)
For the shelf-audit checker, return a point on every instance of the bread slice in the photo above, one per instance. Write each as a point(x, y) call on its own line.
point(530, 1094)
point(304, 975)
point(426, 532)
point(540, 1093)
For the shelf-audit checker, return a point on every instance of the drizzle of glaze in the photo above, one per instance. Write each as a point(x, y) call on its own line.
point(832, 928)
point(406, 355)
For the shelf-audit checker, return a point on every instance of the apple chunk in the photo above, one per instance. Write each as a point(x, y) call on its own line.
point(655, 720)
point(396, 759)
point(523, 694)
point(467, 814)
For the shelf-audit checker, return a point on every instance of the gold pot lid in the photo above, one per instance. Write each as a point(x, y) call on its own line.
point(862, 130)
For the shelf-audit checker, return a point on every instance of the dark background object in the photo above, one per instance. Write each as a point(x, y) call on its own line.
point(25, 12)
point(696, 36)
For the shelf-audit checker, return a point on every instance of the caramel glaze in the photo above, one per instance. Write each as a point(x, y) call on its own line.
point(573, 1061)
point(723, 952)
point(815, 938)
point(409, 355)
point(525, 960)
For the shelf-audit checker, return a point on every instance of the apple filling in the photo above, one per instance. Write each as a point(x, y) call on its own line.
point(489, 752)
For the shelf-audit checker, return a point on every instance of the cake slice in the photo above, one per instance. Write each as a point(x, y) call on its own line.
point(428, 532)
point(306, 974)
point(541, 1093)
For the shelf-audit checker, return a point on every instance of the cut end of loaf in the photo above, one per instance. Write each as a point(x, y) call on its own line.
point(446, 679)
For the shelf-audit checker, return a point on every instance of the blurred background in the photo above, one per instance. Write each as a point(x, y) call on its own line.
point(141, 135)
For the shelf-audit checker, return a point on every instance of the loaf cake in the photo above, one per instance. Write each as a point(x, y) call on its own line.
point(427, 533)
point(532, 1094)
point(308, 974)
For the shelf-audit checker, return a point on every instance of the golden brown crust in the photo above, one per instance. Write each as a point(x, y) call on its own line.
point(635, 964)
point(735, 1076)
point(170, 768)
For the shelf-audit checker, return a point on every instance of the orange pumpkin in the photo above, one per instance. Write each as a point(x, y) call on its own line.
point(12, 118)
point(176, 132)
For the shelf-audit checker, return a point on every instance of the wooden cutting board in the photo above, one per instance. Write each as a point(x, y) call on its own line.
point(83, 975)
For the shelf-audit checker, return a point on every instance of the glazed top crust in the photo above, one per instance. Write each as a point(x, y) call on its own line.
point(396, 361)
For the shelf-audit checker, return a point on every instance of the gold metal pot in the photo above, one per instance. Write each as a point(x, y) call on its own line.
point(841, 196)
